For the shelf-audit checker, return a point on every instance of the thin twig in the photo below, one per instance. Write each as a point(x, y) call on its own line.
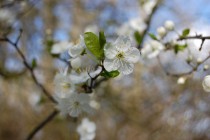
point(184, 73)
point(42, 124)
point(200, 37)
point(148, 23)
point(27, 65)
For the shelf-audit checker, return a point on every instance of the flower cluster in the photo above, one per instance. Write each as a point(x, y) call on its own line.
point(107, 59)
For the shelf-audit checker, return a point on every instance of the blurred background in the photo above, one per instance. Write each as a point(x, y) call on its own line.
point(146, 105)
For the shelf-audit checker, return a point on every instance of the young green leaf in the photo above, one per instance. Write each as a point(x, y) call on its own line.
point(33, 64)
point(138, 37)
point(178, 48)
point(185, 32)
point(93, 45)
point(110, 74)
point(102, 39)
point(153, 36)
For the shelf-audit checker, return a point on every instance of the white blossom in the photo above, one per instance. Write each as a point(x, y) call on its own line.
point(206, 83)
point(169, 25)
point(60, 47)
point(128, 28)
point(148, 6)
point(63, 84)
point(121, 56)
point(86, 129)
point(161, 31)
point(151, 49)
point(74, 105)
point(6, 17)
point(137, 24)
point(77, 49)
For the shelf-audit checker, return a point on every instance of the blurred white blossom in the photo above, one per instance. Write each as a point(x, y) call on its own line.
point(63, 84)
point(148, 6)
point(169, 25)
point(151, 49)
point(60, 47)
point(161, 31)
point(86, 129)
point(206, 83)
point(128, 28)
point(6, 17)
point(74, 105)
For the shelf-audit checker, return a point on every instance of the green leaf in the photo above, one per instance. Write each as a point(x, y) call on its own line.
point(153, 36)
point(102, 39)
point(178, 48)
point(49, 43)
point(138, 37)
point(33, 63)
point(93, 45)
point(110, 74)
point(185, 32)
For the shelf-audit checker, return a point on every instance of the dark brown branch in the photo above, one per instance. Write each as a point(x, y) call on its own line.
point(42, 124)
point(200, 37)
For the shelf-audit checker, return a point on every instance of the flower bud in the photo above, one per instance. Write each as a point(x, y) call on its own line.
point(189, 59)
point(161, 31)
point(206, 83)
point(205, 67)
point(169, 25)
point(76, 62)
point(199, 60)
point(181, 80)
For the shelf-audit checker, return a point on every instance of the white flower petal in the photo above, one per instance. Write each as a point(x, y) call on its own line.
point(132, 55)
point(77, 49)
point(110, 51)
point(111, 64)
point(75, 112)
point(96, 72)
point(126, 68)
point(122, 43)
point(76, 62)
point(78, 78)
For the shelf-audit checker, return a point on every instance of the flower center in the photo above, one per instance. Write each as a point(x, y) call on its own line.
point(120, 55)
point(76, 103)
point(65, 85)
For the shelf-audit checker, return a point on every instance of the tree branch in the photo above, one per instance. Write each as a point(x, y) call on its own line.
point(184, 73)
point(148, 23)
point(27, 65)
point(42, 124)
point(200, 37)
